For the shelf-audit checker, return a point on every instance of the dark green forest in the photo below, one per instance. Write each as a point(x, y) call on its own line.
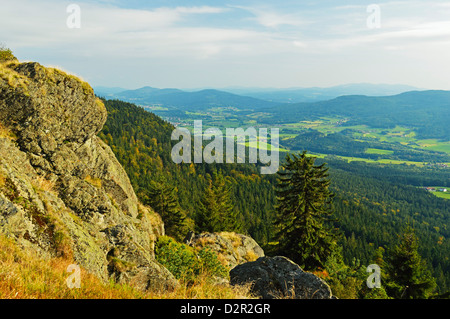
point(373, 203)
point(142, 143)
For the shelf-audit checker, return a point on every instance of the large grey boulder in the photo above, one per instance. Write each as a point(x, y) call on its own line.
point(279, 277)
point(232, 248)
point(62, 190)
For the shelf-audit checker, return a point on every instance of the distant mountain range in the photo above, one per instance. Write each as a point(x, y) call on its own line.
point(197, 100)
point(314, 94)
point(245, 97)
point(427, 111)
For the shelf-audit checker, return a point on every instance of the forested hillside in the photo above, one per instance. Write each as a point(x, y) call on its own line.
point(373, 202)
point(427, 111)
point(372, 211)
point(142, 144)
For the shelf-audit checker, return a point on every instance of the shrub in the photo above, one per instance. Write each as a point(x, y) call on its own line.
point(188, 263)
point(6, 54)
point(179, 259)
point(210, 263)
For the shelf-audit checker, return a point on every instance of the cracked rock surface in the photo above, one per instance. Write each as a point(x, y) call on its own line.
point(62, 191)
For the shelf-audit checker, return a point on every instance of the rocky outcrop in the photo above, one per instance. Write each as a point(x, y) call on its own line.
point(62, 191)
point(232, 249)
point(279, 277)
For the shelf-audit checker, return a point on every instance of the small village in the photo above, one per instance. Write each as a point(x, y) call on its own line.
point(436, 189)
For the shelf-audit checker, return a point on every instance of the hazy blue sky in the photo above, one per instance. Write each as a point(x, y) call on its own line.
point(216, 43)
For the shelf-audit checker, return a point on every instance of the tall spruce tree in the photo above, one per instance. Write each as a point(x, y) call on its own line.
point(162, 197)
point(408, 274)
point(216, 210)
point(304, 208)
point(206, 216)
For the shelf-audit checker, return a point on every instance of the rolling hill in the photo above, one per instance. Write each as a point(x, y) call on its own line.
point(425, 111)
point(315, 94)
point(191, 101)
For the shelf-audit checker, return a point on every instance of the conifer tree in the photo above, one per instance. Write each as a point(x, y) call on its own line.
point(216, 210)
point(206, 217)
point(228, 213)
point(407, 272)
point(162, 197)
point(303, 210)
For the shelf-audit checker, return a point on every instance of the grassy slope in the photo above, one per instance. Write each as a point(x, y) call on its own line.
point(25, 275)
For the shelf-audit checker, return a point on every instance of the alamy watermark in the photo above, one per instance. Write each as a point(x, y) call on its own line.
point(374, 19)
point(73, 21)
point(74, 280)
point(374, 279)
point(215, 152)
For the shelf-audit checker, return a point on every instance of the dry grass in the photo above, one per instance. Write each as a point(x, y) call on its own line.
point(6, 133)
point(99, 104)
point(204, 287)
point(250, 256)
point(2, 180)
point(205, 241)
point(57, 71)
point(43, 184)
point(236, 240)
point(25, 275)
point(61, 238)
point(13, 78)
point(96, 182)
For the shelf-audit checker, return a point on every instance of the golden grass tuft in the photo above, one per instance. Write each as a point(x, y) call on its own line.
point(250, 256)
point(43, 184)
point(235, 239)
point(52, 71)
point(2, 180)
point(6, 133)
point(94, 181)
point(13, 78)
point(205, 241)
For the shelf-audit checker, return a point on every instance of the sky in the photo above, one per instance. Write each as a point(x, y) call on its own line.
point(217, 43)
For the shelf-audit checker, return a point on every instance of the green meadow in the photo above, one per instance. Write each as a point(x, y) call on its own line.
point(379, 151)
point(223, 118)
point(437, 193)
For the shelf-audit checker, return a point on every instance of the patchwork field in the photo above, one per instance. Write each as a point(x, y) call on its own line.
point(396, 143)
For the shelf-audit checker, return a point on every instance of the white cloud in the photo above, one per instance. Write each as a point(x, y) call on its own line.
point(131, 33)
point(45, 21)
point(425, 32)
point(200, 10)
point(270, 18)
point(262, 44)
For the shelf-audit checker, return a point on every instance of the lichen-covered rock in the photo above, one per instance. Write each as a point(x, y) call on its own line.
point(279, 277)
point(62, 191)
point(47, 107)
point(232, 248)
